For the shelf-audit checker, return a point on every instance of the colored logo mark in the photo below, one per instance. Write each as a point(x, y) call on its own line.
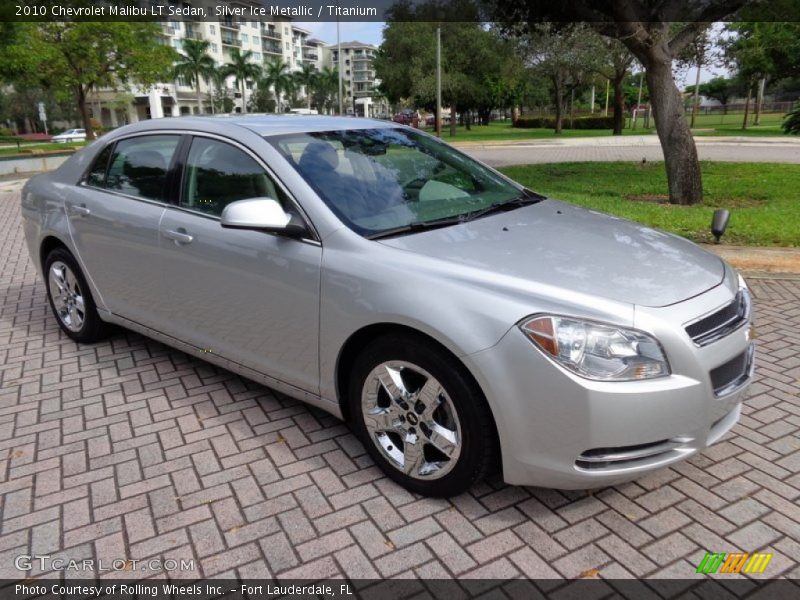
point(734, 562)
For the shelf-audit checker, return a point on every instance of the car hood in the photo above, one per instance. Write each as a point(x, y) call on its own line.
point(581, 250)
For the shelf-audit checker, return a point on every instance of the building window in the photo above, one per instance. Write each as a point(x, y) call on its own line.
point(285, 31)
point(257, 56)
point(212, 30)
point(287, 46)
point(245, 39)
point(214, 48)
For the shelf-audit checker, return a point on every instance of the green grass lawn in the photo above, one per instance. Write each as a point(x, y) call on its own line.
point(9, 150)
point(705, 125)
point(764, 199)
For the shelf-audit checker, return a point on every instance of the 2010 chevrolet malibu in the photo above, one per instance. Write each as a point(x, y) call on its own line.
point(453, 317)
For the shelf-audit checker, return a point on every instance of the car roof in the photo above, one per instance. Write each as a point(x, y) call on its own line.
point(263, 125)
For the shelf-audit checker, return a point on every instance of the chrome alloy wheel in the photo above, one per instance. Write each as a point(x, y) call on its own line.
point(411, 420)
point(67, 296)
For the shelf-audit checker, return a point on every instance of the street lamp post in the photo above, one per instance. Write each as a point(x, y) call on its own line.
point(438, 82)
point(339, 55)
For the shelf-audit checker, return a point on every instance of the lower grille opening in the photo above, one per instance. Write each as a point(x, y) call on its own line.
point(623, 457)
point(729, 376)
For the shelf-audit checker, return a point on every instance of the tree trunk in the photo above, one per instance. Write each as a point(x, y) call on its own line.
point(559, 104)
point(680, 153)
point(244, 102)
point(452, 119)
point(747, 106)
point(759, 101)
point(199, 94)
point(619, 102)
point(84, 110)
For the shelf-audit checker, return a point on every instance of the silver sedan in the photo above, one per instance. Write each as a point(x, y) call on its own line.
point(457, 320)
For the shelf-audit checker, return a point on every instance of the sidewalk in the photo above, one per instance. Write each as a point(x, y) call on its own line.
point(631, 140)
point(755, 259)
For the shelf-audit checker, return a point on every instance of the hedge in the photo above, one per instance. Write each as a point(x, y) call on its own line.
point(579, 123)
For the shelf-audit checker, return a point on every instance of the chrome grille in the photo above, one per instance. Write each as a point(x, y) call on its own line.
point(721, 323)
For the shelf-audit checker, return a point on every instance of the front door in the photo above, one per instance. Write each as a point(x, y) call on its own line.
point(249, 296)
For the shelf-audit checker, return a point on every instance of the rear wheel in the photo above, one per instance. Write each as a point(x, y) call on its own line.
point(70, 298)
point(421, 417)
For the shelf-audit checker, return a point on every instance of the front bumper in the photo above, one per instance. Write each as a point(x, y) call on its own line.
point(562, 431)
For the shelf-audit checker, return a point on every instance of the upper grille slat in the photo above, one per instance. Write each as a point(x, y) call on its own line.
point(721, 323)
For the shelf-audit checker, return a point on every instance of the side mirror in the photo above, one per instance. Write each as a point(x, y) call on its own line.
point(262, 214)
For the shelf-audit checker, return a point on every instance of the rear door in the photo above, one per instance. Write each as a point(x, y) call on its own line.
point(114, 215)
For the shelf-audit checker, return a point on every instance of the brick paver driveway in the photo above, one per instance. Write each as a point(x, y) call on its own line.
point(130, 450)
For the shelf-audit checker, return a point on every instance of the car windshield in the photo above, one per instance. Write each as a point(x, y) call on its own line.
point(383, 180)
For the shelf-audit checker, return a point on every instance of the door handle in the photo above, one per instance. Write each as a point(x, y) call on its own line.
point(178, 236)
point(79, 210)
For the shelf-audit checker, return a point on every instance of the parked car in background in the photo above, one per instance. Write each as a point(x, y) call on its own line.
point(405, 116)
point(70, 135)
point(453, 317)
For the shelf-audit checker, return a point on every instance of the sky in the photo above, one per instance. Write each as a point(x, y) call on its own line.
point(369, 32)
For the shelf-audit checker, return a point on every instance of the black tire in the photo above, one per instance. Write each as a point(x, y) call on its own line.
point(477, 428)
point(92, 328)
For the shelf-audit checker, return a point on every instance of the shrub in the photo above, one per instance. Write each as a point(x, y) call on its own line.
point(791, 122)
point(579, 123)
point(6, 132)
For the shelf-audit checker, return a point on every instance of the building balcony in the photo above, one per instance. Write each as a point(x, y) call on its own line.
point(270, 33)
point(310, 56)
point(193, 34)
point(231, 41)
point(229, 24)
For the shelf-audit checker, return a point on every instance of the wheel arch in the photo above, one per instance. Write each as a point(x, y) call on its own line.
point(48, 244)
point(352, 347)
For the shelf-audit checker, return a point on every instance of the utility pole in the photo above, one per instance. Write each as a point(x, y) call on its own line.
point(639, 101)
point(339, 55)
point(608, 86)
point(438, 82)
point(696, 99)
point(592, 103)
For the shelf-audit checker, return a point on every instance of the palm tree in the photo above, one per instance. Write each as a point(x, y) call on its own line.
point(327, 86)
point(277, 76)
point(193, 64)
point(243, 70)
point(215, 78)
point(307, 77)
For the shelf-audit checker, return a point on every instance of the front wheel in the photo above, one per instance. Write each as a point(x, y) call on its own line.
point(421, 417)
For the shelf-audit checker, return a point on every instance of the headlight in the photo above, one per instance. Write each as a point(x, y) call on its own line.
point(596, 351)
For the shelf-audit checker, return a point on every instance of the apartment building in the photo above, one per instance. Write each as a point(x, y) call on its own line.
point(267, 40)
point(360, 95)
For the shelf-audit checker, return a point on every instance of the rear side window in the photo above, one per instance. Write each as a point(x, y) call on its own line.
point(97, 174)
point(139, 166)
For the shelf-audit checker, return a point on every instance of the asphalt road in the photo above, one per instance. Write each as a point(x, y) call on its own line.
point(598, 150)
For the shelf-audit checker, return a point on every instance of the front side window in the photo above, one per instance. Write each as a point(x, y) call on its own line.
point(217, 174)
point(139, 166)
point(379, 180)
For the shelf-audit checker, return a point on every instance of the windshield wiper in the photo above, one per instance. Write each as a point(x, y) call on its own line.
point(526, 198)
point(415, 227)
